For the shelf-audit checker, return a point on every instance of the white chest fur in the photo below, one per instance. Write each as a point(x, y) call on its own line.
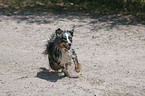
point(66, 57)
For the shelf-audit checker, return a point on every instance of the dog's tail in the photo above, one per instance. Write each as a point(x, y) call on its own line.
point(46, 40)
point(45, 52)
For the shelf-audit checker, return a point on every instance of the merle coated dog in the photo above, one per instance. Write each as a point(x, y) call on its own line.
point(60, 53)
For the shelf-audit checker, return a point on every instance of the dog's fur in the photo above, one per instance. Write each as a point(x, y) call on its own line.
point(60, 52)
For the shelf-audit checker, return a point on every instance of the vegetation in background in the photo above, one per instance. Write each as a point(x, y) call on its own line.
point(136, 7)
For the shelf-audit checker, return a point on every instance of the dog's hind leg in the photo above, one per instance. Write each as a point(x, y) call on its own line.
point(53, 64)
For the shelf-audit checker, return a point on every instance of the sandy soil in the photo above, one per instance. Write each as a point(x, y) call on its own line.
point(111, 49)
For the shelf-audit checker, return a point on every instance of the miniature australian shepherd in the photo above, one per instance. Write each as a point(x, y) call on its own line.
point(60, 53)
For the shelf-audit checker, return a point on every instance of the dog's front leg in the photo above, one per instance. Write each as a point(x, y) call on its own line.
point(75, 60)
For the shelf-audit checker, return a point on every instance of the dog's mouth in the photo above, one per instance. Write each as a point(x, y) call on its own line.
point(67, 47)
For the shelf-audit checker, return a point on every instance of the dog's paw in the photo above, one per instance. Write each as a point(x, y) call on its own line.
point(78, 68)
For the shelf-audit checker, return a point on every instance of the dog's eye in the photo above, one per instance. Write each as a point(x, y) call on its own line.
point(70, 38)
point(64, 37)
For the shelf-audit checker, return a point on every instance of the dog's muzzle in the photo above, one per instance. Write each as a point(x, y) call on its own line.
point(68, 46)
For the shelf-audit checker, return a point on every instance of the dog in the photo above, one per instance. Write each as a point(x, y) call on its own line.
point(59, 51)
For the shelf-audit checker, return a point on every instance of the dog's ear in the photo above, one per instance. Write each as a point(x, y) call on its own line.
point(58, 32)
point(72, 32)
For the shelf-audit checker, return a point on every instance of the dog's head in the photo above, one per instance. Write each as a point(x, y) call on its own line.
point(64, 38)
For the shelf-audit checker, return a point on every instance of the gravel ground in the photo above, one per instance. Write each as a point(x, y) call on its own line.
point(110, 48)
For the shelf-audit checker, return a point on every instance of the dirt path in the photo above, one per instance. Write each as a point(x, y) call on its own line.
point(111, 49)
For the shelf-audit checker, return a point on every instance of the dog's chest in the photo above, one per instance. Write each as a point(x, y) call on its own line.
point(66, 57)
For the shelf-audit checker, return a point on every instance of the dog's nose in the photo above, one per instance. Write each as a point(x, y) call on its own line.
point(69, 44)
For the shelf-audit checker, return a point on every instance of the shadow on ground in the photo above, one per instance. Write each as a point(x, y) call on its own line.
point(53, 14)
point(48, 75)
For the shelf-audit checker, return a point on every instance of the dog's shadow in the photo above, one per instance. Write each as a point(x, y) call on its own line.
point(48, 75)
